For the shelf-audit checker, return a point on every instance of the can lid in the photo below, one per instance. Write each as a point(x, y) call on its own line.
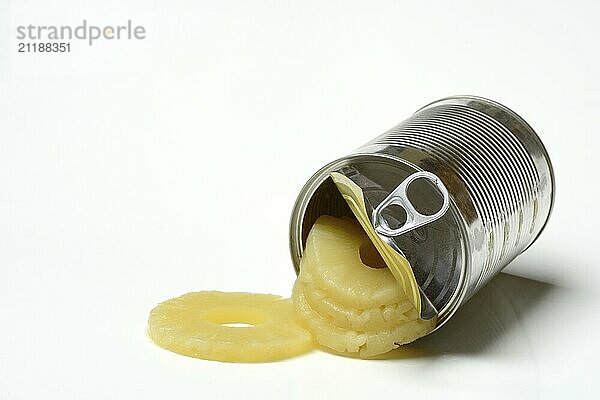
point(361, 193)
point(399, 197)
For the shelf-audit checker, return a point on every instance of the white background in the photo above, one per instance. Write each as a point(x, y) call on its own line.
point(135, 171)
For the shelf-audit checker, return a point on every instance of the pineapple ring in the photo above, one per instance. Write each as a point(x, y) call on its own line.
point(383, 317)
point(195, 325)
point(366, 343)
point(327, 334)
point(333, 262)
point(348, 306)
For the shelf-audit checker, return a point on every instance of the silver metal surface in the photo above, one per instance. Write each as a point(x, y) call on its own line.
point(399, 197)
point(497, 174)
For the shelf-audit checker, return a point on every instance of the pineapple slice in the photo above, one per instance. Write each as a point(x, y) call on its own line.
point(366, 343)
point(333, 251)
point(383, 317)
point(196, 325)
point(347, 305)
point(327, 333)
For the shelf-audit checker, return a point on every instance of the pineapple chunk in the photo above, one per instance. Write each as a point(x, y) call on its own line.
point(195, 325)
point(348, 306)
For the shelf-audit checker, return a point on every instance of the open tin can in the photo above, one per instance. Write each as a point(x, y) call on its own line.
point(472, 170)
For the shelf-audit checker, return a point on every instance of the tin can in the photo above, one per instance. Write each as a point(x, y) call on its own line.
point(496, 171)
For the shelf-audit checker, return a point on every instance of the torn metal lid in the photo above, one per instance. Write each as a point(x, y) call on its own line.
point(370, 203)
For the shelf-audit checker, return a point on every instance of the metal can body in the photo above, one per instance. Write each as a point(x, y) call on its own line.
point(499, 178)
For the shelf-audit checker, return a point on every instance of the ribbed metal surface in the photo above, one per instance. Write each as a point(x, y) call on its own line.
point(494, 166)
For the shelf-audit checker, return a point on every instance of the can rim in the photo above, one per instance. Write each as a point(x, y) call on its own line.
point(533, 133)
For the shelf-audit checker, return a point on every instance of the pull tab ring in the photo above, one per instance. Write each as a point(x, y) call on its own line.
point(399, 197)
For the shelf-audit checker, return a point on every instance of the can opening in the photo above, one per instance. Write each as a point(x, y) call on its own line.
point(436, 251)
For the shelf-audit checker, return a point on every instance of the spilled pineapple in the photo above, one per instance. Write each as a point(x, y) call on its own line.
point(351, 307)
point(338, 302)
